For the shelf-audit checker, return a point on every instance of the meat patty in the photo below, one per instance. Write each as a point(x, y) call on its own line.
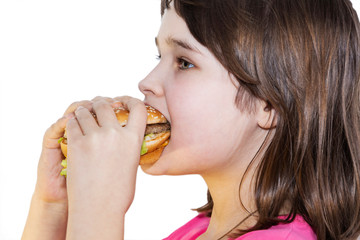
point(157, 128)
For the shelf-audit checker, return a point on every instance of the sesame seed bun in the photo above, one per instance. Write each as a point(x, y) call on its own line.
point(153, 115)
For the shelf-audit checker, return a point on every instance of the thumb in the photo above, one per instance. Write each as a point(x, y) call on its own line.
point(55, 132)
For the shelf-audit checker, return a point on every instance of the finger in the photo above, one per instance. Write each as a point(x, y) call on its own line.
point(85, 119)
point(117, 104)
point(104, 113)
point(112, 101)
point(107, 99)
point(55, 132)
point(85, 103)
point(137, 113)
point(73, 129)
point(120, 100)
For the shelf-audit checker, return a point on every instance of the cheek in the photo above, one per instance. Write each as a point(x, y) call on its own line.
point(201, 120)
point(207, 128)
point(197, 148)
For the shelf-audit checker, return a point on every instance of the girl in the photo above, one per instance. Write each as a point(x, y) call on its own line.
point(263, 100)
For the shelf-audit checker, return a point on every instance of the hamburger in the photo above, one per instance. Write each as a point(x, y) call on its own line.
point(156, 136)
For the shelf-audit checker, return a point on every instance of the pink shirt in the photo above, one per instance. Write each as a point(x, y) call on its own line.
point(299, 229)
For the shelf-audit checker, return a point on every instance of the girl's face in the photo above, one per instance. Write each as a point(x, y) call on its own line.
point(197, 95)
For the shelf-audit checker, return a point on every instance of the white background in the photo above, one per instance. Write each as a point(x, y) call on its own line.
point(55, 52)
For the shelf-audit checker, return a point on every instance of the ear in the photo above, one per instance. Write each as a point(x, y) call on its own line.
point(266, 116)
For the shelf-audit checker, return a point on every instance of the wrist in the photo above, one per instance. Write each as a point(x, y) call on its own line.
point(90, 222)
point(59, 207)
point(46, 220)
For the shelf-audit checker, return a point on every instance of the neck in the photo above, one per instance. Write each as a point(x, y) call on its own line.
point(232, 204)
point(232, 192)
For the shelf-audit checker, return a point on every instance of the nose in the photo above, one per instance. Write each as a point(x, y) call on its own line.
point(151, 85)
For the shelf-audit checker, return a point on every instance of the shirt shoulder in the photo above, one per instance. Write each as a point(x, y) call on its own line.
point(191, 230)
point(299, 229)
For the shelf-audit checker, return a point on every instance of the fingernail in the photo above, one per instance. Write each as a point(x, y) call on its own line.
point(116, 104)
point(79, 108)
point(70, 116)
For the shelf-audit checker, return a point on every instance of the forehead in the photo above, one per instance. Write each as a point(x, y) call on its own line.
point(173, 29)
point(173, 25)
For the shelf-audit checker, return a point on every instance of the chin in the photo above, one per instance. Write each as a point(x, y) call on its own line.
point(174, 163)
point(161, 167)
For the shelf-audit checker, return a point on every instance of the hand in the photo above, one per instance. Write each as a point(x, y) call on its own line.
point(50, 186)
point(103, 159)
point(48, 213)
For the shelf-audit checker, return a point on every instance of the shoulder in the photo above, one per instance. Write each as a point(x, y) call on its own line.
point(299, 229)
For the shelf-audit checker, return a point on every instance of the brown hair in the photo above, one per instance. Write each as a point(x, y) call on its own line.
point(303, 58)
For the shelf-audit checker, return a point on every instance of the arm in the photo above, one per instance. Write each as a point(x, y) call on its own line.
point(45, 221)
point(47, 218)
point(101, 169)
point(95, 224)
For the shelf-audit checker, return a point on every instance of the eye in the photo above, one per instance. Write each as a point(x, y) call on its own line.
point(158, 57)
point(183, 64)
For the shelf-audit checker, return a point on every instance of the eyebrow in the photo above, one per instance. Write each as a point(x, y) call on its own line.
point(180, 43)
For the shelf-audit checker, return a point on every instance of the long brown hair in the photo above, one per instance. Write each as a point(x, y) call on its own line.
point(303, 58)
